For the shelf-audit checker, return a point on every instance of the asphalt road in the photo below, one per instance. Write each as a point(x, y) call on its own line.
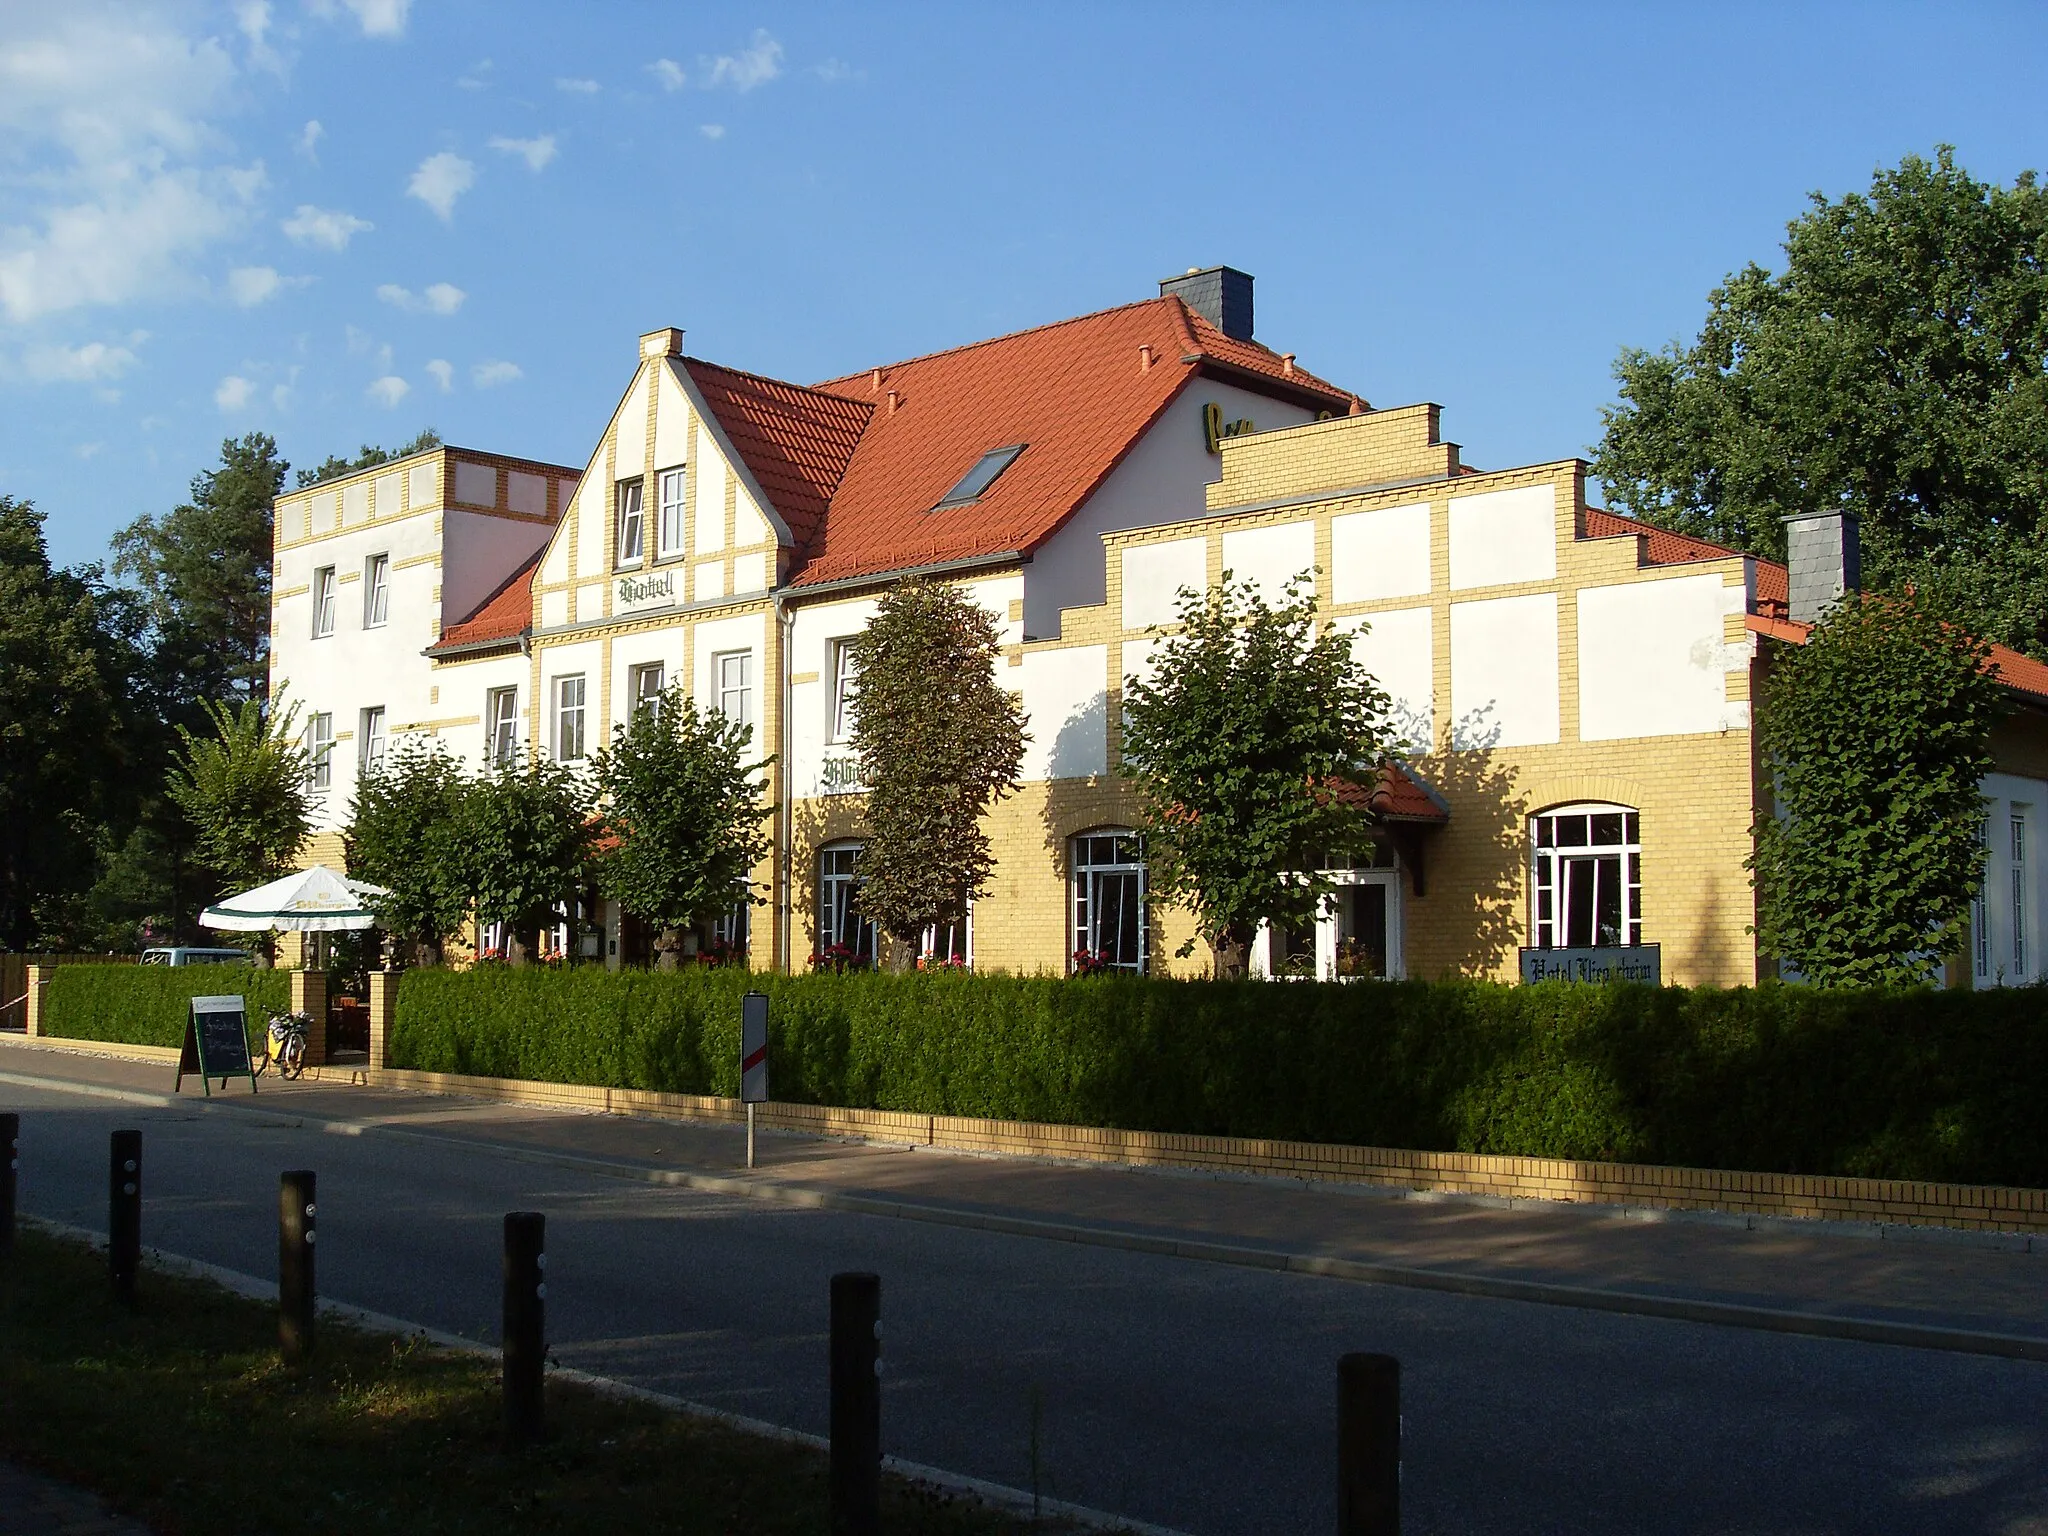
point(1196, 1396)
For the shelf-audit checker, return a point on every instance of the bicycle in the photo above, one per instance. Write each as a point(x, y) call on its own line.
point(286, 1045)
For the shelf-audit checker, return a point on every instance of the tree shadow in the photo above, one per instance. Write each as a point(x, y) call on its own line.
point(1474, 906)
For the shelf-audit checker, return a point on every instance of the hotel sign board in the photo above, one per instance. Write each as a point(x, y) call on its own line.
point(635, 593)
point(1613, 962)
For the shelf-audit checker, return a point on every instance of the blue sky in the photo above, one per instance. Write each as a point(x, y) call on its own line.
point(341, 221)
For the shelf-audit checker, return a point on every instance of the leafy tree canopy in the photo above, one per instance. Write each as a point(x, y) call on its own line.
point(366, 458)
point(525, 843)
point(1235, 740)
point(243, 790)
point(1876, 731)
point(1895, 369)
point(938, 741)
point(687, 813)
point(405, 826)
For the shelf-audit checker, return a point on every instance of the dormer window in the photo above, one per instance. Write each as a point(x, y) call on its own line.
point(975, 483)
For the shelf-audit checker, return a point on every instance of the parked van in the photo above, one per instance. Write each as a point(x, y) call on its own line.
point(187, 955)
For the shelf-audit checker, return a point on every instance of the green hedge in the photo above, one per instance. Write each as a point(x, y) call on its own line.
point(1935, 1085)
point(147, 1004)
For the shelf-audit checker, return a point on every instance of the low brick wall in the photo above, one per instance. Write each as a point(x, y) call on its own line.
point(1817, 1197)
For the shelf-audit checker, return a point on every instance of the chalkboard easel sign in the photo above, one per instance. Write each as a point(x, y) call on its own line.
point(216, 1043)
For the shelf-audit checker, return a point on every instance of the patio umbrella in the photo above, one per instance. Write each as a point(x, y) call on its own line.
point(316, 900)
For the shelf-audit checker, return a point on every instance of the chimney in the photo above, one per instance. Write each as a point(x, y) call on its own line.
point(1824, 559)
point(667, 342)
point(1220, 295)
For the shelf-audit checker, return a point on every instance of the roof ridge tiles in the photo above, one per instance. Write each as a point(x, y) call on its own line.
point(860, 376)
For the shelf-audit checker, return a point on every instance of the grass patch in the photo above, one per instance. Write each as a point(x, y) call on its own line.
point(180, 1414)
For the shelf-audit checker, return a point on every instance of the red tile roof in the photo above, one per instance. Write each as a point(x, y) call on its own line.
point(2018, 671)
point(795, 441)
point(1397, 795)
point(1773, 587)
point(502, 617)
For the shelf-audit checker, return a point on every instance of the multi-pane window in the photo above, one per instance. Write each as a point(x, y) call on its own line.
point(843, 933)
point(631, 530)
point(320, 752)
point(2019, 894)
point(323, 602)
point(376, 591)
point(373, 739)
point(845, 683)
point(502, 716)
point(1587, 879)
point(948, 944)
point(1980, 907)
point(728, 931)
point(647, 683)
point(732, 676)
point(669, 532)
point(1110, 927)
point(569, 701)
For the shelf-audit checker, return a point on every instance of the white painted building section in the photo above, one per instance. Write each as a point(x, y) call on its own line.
point(1271, 557)
point(1501, 537)
point(1399, 649)
point(1153, 575)
point(1652, 659)
point(1504, 688)
point(1066, 711)
point(1380, 554)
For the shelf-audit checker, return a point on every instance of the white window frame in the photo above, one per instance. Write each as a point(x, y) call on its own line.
point(570, 719)
point(671, 529)
point(320, 751)
point(1554, 865)
point(839, 901)
point(323, 602)
point(641, 697)
point(845, 686)
point(632, 506)
point(2020, 852)
point(377, 591)
point(941, 941)
point(1084, 894)
point(725, 691)
point(501, 716)
point(375, 739)
point(1380, 867)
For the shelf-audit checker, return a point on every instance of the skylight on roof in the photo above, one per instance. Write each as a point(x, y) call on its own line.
point(975, 483)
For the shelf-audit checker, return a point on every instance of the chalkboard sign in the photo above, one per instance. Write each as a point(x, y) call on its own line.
point(216, 1043)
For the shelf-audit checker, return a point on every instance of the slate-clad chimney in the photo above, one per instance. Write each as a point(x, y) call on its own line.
point(1823, 556)
point(1220, 295)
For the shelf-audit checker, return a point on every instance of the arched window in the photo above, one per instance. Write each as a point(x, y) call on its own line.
point(1110, 927)
point(839, 919)
point(1586, 879)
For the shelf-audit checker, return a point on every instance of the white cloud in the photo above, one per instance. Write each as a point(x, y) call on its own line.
point(712, 130)
point(309, 139)
point(88, 450)
point(576, 86)
point(253, 17)
point(250, 286)
point(328, 229)
point(439, 298)
point(536, 152)
point(440, 180)
point(486, 374)
point(832, 71)
point(377, 18)
point(232, 393)
point(477, 77)
point(389, 390)
point(79, 365)
point(756, 64)
point(667, 73)
point(443, 372)
point(281, 394)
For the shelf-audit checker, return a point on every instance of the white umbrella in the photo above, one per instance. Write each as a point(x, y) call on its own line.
point(316, 900)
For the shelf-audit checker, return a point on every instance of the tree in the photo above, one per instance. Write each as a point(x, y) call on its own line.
point(938, 742)
point(368, 457)
point(1237, 745)
point(405, 825)
point(1876, 732)
point(1895, 369)
point(64, 756)
point(243, 791)
point(687, 813)
point(524, 839)
point(204, 573)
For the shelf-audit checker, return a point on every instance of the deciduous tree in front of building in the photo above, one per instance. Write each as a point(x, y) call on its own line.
point(523, 848)
point(1236, 738)
point(686, 809)
point(1876, 732)
point(405, 826)
point(938, 741)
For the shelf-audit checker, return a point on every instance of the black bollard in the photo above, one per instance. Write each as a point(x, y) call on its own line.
point(10, 1168)
point(856, 1472)
point(295, 1266)
point(1368, 1446)
point(526, 1343)
point(124, 1212)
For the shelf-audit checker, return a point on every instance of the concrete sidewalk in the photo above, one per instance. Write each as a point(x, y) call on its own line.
point(1923, 1278)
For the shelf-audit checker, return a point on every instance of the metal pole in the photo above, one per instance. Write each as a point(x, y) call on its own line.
point(124, 1212)
point(526, 1290)
point(10, 1166)
point(295, 1266)
point(750, 1135)
point(856, 1469)
point(1368, 1446)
